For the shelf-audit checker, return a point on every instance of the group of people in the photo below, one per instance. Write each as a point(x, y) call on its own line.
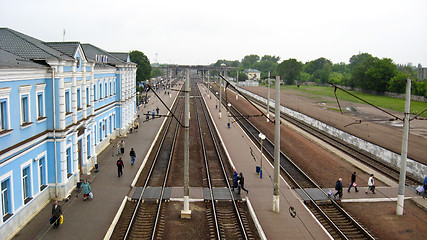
point(57, 217)
point(339, 187)
point(120, 164)
point(239, 182)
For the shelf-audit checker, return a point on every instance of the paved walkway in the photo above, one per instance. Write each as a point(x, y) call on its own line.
point(91, 219)
point(275, 225)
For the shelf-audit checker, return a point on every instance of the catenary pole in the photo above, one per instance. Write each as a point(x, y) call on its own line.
point(220, 95)
point(404, 153)
point(268, 98)
point(186, 213)
point(276, 200)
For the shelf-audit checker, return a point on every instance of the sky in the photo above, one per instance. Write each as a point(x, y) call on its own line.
point(191, 32)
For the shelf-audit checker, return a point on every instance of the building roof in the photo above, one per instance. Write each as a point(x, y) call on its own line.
point(69, 48)
point(91, 53)
point(249, 70)
point(18, 50)
point(27, 47)
point(9, 60)
point(122, 56)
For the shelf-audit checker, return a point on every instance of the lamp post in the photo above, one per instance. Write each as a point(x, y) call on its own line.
point(229, 115)
point(262, 137)
point(268, 98)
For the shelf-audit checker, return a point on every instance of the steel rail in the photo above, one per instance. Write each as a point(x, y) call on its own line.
point(363, 230)
point(148, 178)
point(209, 124)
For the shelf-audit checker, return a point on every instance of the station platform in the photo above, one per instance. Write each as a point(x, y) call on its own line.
point(81, 217)
point(274, 225)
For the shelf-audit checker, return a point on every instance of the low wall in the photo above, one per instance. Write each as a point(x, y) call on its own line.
point(416, 168)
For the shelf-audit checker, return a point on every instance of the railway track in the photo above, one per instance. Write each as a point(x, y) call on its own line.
point(146, 221)
point(361, 155)
point(226, 218)
point(334, 218)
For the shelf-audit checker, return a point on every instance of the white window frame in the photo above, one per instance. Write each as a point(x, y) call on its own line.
point(37, 159)
point(71, 170)
point(7, 114)
point(12, 205)
point(5, 94)
point(24, 91)
point(25, 165)
point(40, 89)
point(79, 98)
point(69, 100)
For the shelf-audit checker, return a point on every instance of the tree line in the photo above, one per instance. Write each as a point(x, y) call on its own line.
point(364, 71)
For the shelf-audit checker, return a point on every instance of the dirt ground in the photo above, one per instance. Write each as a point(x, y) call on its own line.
point(383, 133)
point(382, 220)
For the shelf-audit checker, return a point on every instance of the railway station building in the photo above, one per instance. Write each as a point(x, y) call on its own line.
point(60, 104)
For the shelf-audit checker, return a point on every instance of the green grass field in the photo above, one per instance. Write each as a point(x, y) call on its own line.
point(383, 102)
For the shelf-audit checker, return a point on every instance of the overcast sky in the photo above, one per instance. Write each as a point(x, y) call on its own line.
point(201, 32)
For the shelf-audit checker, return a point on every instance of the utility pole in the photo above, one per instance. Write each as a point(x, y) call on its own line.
point(276, 200)
point(220, 94)
point(268, 98)
point(404, 153)
point(186, 213)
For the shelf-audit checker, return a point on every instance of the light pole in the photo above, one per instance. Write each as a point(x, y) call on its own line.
point(268, 98)
point(404, 152)
point(229, 115)
point(276, 199)
point(262, 137)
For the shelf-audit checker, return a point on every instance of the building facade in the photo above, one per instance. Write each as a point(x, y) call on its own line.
point(60, 104)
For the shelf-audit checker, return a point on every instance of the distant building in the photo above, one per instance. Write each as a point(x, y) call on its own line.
point(60, 104)
point(422, 73)
point(253, 74)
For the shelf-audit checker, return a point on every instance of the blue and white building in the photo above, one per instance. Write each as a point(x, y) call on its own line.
point(60, 104)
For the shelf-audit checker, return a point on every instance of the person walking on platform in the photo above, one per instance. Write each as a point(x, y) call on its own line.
point(86, 189)
point(353, 182)
point(120, 166)
point(147, 116)
point(153, 113)
point(157, 110)
point(132, 155)
point(118, 148)
point(122, 147)
point(241, 180)
point(56, 214)
point(371, 184)
point(235, 179)
point(338, 187)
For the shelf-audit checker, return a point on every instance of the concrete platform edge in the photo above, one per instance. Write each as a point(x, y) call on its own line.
point(219, 135)
point(116, 219)
point(256, 222)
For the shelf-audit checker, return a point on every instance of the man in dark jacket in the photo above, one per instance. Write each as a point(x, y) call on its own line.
point(353, 182)
point(56, 214)
point(241, 180)
point(338, 187)
point(132, 155)
point(120, 166)
point(235, 178)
